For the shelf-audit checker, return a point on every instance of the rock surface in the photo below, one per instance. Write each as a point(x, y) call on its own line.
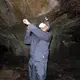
point(64, 17)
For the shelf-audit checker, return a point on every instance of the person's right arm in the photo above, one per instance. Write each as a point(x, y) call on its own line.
point(39, 33)
point(27, 38)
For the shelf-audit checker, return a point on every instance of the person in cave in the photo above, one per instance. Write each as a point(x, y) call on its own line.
point(39, 40)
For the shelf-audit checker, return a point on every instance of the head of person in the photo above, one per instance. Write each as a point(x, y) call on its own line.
point(45, 25)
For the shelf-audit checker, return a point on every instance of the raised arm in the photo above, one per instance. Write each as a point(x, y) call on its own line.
point(38, 32)
point(27, 38)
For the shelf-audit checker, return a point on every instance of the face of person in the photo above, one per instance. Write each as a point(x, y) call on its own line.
point(46, 28)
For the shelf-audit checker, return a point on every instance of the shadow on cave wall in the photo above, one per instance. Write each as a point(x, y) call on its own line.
point(9, 59)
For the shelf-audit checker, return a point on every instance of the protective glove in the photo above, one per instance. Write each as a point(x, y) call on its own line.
point(25, 21)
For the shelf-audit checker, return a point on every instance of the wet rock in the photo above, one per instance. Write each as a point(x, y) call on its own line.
point(8, 75)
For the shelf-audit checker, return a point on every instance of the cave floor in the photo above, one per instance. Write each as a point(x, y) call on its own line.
point(8, 73)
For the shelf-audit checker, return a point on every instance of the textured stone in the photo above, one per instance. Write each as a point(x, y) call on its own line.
point(64, 17)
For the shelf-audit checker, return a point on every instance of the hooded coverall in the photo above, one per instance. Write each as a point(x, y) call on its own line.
point(39, 49)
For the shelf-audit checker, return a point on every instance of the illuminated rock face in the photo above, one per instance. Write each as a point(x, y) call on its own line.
point(13, 11)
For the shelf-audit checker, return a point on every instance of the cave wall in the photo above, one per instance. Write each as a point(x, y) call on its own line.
point(64, 17)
